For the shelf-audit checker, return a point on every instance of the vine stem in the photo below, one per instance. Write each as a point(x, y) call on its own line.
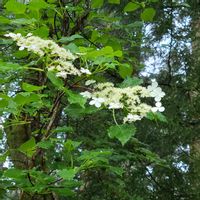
point(114, 118)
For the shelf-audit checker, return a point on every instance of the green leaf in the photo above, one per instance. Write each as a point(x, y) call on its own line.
point(8, 66)
point(15, 7)
point(117, 53)
point(75, 98)
point(156, 116)
point(20, 99)
point(114, 43)
point(4, 20)
point(97, 3)
point(21, 54)
point(95, 35)
point(64, 129)
point(55, 80)
point(23, 98)
point(65, 192)
point(30, 88)
point(122, 132)
point(125, 70)
point(95, 158)
point(72, 47)
point(23, 21)
point(45, 144)
point(130, 82)
point(14, 173)
point(3, 103)
point(148, 14)
point(68, 174)
point(70, 38)
point(131, 7)
point(28, 147)
point(42, 32)
point(38, 4)
point(100, 155)
point(152, 157)
point(114, 1)
point(76, 111)
point(117, 170)
point(4, 156)
point(71, 145)
point(106, 51)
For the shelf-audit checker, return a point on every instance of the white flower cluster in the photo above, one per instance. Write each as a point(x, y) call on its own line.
point(40, 46)
point(129, 99)
point(157, 93)
point(60, 57)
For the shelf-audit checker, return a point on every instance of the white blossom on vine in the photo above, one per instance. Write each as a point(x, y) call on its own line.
point(86, 94)
point(89, 82)
point(60, 58)
point(115, 105)
point(85, 71)
point(132, 118)
point(155, 91)
point(158, 107)
point(96, 101)
point(130, 99)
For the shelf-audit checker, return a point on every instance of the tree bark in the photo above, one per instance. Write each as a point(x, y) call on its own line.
point(194, 81)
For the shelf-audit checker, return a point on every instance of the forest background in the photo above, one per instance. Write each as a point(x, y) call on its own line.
point(54, 145)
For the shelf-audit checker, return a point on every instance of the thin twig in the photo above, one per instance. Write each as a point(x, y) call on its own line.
point(29, 178)
point(56, 181)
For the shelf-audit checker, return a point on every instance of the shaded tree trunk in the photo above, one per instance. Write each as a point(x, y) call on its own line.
point(194, 84)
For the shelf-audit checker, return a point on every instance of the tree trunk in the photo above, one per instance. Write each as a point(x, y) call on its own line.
point(194, 84)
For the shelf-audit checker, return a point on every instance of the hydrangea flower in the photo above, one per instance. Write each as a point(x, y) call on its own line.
point(115, 105)
point(96, 102)
point(86, 94)
point(158, 107)
point(132, 118)
point(62, 74)
point(85, 71)
point(14, 36)
point(155, 91)
point(61, 58)
point(130, 98)
point(89, 82)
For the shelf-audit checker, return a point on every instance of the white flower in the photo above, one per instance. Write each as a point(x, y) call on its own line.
point(158, 107)
point(158, 104)
point(32, 47)
point(62, 74)
point(9, 35)
point(40, 46)
point(132, 118)
point(153, 85)
point(96, 102)
point(115, 105)
point(155, 91)
point(22, 47)
point(51, 68)
point(89, 82)
point(86, 94)
point(161, 109)
point(85, 71)
point(29, 34)
point(13, 35)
